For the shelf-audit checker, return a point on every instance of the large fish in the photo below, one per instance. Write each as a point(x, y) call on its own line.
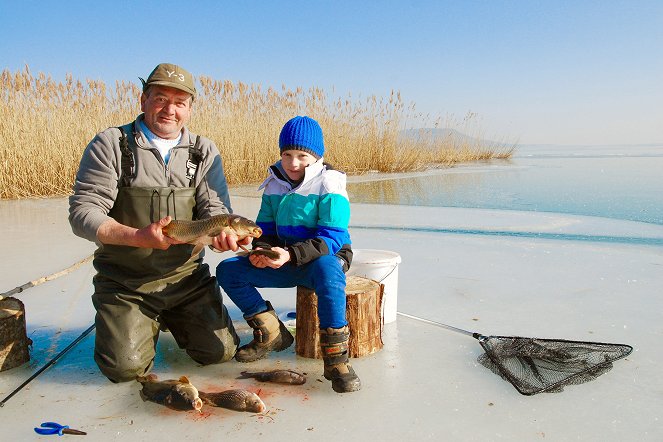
point(238, 400)
point(177, 394)
point(277, 376)
point(201, 232)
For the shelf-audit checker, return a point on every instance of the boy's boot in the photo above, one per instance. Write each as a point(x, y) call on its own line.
point(269, 334)
point(334, 346)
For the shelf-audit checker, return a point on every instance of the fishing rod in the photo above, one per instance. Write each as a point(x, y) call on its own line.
point(48, 364)
point(44, 279)
point(34, 283)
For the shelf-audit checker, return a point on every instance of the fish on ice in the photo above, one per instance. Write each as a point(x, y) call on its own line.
point(276, 376)
point(176, 394)
point(238, 400)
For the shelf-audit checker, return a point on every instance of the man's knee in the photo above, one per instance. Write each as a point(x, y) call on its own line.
point(122, 369)
point(209, 358)
point(215, 351)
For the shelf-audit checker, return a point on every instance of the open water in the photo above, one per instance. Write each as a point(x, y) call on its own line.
point(620, 182)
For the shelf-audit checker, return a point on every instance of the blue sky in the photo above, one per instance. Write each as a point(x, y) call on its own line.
point(559, 72)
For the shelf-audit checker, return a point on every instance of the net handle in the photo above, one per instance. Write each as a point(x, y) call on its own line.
point(445, 326)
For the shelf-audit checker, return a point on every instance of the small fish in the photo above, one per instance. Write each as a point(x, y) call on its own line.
point(269, 253)
point(277, 376)
point(201, 232)
point(238, 400)
point(177, 394)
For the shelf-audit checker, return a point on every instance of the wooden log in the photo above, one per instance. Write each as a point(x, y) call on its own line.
point(363, 312)
point(14, 341)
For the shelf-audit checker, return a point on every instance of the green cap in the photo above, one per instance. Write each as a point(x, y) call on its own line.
point(171, 75)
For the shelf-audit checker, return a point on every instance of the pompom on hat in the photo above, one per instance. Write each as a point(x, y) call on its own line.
point(302, 133)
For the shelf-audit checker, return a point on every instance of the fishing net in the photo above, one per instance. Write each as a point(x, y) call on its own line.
point(535, 365)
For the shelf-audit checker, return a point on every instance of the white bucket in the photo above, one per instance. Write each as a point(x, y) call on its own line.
point(381, 266)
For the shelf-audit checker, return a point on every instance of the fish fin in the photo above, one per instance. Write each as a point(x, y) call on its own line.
point(147, 378)
point(214, 233)
point(245, 375)
point(196, 250)
point(184, 380)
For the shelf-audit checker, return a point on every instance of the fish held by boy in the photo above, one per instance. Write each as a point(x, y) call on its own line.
point(176, 394)
point(202, 232)
point(289, 377)
point(269, 253)
point(238, 400)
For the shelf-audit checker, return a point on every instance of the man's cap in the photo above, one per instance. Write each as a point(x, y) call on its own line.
point(171, 75)
point(302, 133)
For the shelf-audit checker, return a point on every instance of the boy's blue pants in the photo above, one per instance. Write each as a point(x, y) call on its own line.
point(239, 279)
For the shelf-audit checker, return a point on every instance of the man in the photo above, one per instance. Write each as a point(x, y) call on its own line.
point(131, 182)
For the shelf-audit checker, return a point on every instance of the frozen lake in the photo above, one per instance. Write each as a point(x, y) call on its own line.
point(621, 182)
point(521, 270)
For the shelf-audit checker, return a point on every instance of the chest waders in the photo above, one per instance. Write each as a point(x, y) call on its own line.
point(141, 269)
point(139, 291)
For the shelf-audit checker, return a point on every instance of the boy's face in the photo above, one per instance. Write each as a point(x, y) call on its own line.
point(294, 163)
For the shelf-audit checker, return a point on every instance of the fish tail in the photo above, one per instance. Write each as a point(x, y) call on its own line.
point(147, 378)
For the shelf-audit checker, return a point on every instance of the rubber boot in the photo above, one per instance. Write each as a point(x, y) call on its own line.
point(334, 346)
point(269, 334)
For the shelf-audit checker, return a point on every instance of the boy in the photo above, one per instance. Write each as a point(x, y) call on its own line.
point(304, 216)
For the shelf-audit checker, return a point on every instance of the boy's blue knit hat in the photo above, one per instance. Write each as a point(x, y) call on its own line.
point(302, 133)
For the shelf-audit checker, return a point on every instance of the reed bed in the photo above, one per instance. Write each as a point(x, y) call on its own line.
point(45, 125)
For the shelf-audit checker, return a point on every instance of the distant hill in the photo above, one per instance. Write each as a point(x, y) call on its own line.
point(443, 134)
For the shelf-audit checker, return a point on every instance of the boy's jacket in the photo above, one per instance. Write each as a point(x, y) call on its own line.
point(311, 219)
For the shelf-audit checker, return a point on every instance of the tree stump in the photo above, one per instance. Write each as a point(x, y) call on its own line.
point(14, 341)
point(363, 312)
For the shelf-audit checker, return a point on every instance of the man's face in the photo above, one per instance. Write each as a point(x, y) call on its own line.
point(166, 110)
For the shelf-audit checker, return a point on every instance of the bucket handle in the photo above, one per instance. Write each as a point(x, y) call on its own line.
point(390, 272)
point(384, 304)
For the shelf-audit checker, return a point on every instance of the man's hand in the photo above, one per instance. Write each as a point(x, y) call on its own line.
point(261, 261)
point(225, 242)
point(150, 236)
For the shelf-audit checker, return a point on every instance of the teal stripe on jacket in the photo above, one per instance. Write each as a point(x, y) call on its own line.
point(300, 217)
point(330, 210)
point(317, 208)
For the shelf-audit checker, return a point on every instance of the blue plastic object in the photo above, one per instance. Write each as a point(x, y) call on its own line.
point(292, 315)
point(51, 428)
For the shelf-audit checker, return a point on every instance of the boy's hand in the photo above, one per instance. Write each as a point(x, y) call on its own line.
point(261, 261)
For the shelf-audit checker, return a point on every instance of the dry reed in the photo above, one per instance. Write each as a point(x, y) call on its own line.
point(46, 124)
